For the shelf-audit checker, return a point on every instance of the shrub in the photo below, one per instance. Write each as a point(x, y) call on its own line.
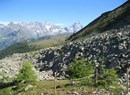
point(26, 73)
point(79, 68)
point(108, 77)
point(88, 80)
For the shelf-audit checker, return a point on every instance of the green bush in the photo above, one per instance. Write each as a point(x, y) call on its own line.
point(108, 77)
point(88, 80)
point(26, 73)
point(79, 68)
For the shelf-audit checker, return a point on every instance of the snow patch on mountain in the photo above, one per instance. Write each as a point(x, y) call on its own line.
point(13, 32)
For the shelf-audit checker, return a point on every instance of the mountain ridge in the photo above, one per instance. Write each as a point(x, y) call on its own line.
point(116, 18)
point(25, 31)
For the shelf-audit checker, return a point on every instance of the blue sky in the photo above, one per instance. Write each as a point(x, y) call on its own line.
point(56, 11)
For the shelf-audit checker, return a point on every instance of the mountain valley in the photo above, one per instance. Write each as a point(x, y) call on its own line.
point(53, 50)
point(26, 31)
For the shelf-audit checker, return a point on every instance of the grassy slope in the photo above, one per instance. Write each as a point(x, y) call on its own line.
point(34, 45)
point(105, 22)
point(48, 87)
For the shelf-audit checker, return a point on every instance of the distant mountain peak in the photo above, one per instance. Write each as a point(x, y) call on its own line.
point(22, 31)
point(77, 22)
point(47, 22)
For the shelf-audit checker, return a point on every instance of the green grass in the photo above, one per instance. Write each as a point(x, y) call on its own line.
point(48, 87)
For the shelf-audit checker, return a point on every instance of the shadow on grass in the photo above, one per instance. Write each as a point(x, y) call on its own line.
point(5, 85)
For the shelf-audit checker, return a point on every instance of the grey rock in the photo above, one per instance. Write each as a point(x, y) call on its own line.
point(75, 93)
point(72, 83)
point(28, 87)
point(112, 47)
point(68, 92)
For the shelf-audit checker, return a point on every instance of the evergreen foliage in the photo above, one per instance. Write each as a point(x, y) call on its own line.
point(16, 48)
point(26, 73)
point(106, 76)
point(88, 80)
point(79, 68)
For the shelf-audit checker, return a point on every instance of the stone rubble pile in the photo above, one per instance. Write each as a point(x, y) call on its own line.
point(112, 47)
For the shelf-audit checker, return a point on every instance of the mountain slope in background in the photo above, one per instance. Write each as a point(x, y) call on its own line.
point(117, 18)
point(41, 43)
point(19, 32)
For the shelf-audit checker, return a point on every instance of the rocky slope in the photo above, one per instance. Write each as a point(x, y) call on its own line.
point(26, 31)
point(112, 47)
point(114, 19)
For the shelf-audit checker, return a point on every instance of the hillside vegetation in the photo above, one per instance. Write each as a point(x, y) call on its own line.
point(117, 18)
point(96, 65)
point(82, 83)
point(41, 43)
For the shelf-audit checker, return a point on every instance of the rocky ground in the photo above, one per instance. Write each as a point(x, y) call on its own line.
point(112, 47)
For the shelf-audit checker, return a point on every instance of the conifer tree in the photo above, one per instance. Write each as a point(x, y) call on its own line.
point(26, 73)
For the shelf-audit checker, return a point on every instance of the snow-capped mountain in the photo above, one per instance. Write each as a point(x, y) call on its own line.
point(23, 31)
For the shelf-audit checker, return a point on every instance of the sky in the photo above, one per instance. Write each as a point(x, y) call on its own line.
point(56, 11)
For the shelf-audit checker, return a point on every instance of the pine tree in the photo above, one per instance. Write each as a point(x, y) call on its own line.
point(107, 76)
point(26, 73)
point(79, 68)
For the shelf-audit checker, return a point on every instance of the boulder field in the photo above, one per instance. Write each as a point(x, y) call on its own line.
point(112, 47)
